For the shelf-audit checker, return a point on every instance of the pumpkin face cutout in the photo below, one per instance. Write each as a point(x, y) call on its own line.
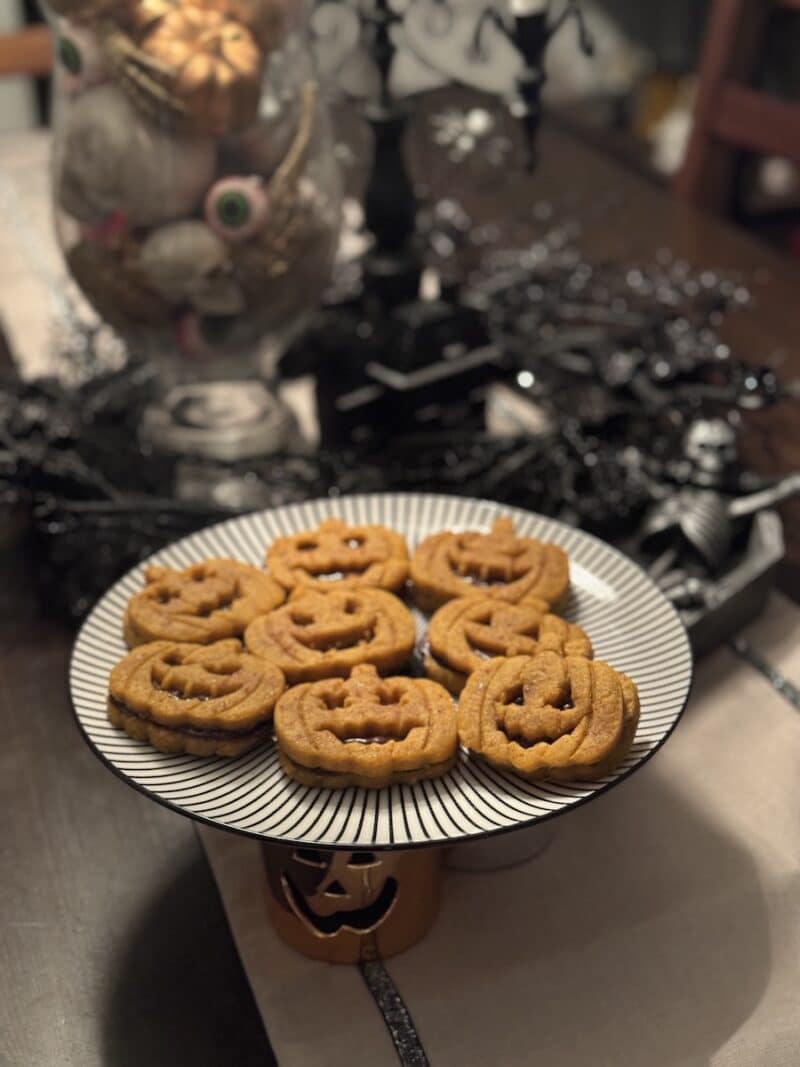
point(497, 564)
point(465, 632)
point(322, 635)
point(208, 700)
point(366, 731)
point(206, 602)
point(350, 906)
point(549, 717)
point(336, 554)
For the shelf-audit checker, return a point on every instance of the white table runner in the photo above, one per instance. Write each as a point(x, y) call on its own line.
point(660, 929)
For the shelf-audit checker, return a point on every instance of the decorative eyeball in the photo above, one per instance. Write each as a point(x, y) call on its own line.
point(236, 208)
point(80, 58)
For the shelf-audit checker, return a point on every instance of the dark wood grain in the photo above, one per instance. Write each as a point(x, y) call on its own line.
point(734, 38)
point(757, 122)
point(113, 946)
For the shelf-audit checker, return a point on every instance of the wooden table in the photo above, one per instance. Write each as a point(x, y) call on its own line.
point(113, 946)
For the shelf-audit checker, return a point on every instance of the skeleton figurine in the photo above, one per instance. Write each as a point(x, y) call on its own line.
point(692, 530)
point(710, 449)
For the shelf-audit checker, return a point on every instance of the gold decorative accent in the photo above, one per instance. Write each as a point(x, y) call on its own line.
point(292, 215)
point(188, 67)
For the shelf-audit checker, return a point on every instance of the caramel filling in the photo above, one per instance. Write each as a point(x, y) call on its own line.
point(189, 731)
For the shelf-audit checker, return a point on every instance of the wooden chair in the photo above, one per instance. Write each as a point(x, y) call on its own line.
point(26, 51)
point(730, 115)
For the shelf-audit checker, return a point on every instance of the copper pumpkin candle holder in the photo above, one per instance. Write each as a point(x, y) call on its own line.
point(348, 907)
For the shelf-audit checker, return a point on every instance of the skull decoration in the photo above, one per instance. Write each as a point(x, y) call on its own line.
point(349, 906)
point(710, 448)
point(187, 262)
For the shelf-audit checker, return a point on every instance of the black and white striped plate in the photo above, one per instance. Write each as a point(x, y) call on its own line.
point(630, 623)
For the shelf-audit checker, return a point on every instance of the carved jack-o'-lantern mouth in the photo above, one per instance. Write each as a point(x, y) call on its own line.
point(345, 898)
point(360, 920)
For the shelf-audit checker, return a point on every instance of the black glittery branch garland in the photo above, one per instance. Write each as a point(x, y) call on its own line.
point(781, 684)
point(395, 1014)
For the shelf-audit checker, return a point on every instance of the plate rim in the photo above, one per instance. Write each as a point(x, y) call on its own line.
point(371, 846)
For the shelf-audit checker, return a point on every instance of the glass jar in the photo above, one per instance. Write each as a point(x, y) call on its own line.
point(196, 194)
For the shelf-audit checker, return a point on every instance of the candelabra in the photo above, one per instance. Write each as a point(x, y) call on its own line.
point(404, 348)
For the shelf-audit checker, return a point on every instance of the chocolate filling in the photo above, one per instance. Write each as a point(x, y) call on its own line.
point(190, 731)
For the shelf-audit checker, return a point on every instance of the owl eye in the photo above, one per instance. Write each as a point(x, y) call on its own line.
point(80, 57)
point(69, 56)
point(236, 208)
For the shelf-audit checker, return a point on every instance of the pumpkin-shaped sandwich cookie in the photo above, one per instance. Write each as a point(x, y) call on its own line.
point(465, 632)
point(340, 555)
point(366, 730)
point(208, 700)
point(322, 635)
point(206, 602)
point(545, 716)
point(499, 564)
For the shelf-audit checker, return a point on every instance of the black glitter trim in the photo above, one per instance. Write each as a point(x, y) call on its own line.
point(395, 1014)
point(782, 686)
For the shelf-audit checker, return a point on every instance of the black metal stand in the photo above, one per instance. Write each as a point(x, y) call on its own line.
point(392, 358)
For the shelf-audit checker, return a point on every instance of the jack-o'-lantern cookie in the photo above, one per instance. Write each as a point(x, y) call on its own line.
point(322, 635)
point(366, 730)
point(339, 555)
point(206, 602)
point(545, 716)
point(208, 700)
point(465, 632)
point(498, 564)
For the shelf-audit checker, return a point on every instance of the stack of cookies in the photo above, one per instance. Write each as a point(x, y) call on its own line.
point(320, 647)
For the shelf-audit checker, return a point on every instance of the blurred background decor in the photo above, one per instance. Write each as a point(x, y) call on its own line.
point(466, 339)
point(196, 197)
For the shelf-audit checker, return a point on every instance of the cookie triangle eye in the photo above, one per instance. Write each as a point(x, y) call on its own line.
point(236, 208)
